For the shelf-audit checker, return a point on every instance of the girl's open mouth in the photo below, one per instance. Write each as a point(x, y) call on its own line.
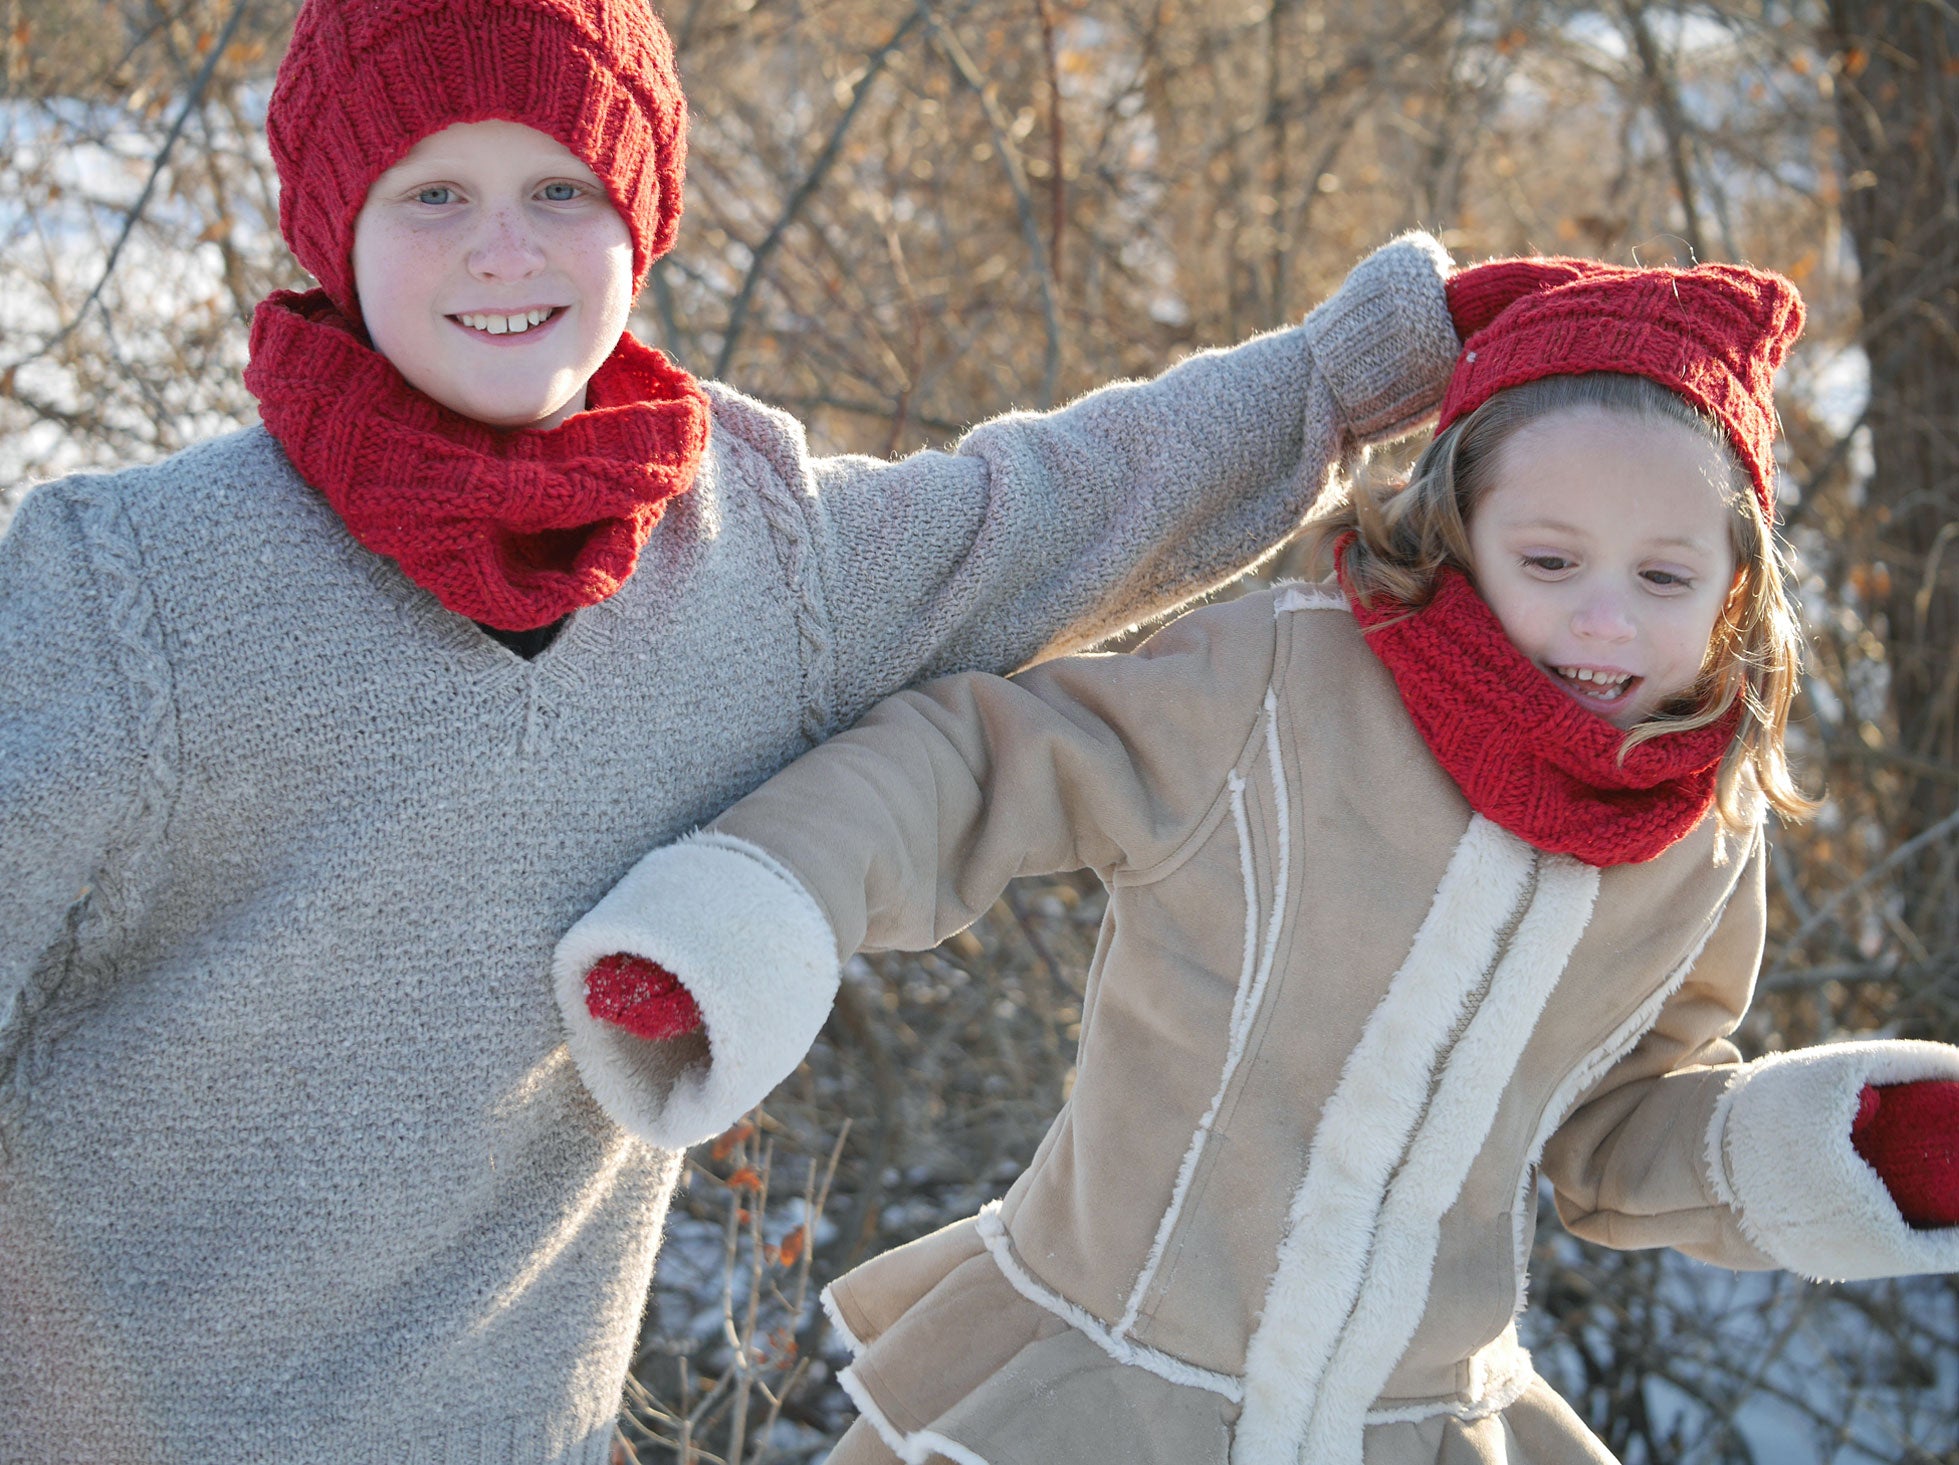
point(1593, 687)
point(515, 323)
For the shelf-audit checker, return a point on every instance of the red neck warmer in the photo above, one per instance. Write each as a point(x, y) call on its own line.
point(1524, 754)
point(513, 529)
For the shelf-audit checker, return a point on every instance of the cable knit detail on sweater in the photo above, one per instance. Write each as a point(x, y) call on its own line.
point(74, 971)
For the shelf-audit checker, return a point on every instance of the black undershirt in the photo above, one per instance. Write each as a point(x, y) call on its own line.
point(527, 644)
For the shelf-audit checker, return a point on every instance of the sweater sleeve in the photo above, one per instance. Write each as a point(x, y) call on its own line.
point(1744, 1165)
point(898, 833)
point(70, 755)
point(1041, 533)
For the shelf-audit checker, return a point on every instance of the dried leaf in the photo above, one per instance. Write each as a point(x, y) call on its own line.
point(724, 1146)
point(746, 1178)
point(792, 1246)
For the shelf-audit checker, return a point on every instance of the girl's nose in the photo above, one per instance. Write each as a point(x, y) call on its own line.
point(1603, 618)
point(505, 248)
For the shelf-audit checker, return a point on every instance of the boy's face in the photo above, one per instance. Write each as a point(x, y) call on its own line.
point(1604, 545)
point(494, 272)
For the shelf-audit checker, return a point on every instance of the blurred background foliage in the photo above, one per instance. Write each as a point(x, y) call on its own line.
point(904, 216)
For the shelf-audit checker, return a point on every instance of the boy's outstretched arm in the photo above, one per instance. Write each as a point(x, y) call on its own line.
point(1788, 1161)
point(894, 835)
point(1043, 532)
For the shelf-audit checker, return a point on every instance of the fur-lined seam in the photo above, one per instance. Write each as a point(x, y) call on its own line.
point(1579, 1081)
point(1500, 1372)
point(1778, 1153)
point(1475, 1074)
point(834, 1312)
point(914, 1447)
point(751, 946)
point(1308, 597)
point(993, 1231)
point(1363, 1129)
point(1247, 998)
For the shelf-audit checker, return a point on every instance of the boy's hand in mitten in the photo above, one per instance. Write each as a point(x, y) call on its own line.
point(640, 996)
point(1909, 1134)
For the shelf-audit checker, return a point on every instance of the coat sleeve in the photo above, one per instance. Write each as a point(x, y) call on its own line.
point(70, 754)
point(1041, 533)
point(1744, 1165)
point(898, 833)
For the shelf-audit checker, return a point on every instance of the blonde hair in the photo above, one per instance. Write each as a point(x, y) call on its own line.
point(1405, 533)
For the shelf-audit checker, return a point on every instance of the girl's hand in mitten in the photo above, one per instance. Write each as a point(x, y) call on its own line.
point(1909, 1134)
point(640, 996)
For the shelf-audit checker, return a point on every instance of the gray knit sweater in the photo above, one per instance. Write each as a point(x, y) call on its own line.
point(294, 1164)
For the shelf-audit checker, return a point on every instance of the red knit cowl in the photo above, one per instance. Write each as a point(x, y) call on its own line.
point(514, 529)
point(1523, 753)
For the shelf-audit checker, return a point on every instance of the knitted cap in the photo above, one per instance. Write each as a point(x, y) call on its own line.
point(1713, 335)
point(365, 80)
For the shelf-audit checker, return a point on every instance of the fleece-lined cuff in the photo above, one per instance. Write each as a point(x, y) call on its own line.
point(1385, 340)
point(753, 948)
point(1779, 1154)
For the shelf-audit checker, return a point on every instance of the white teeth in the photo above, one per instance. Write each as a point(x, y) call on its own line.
point(505, 325)
point(1605, 681)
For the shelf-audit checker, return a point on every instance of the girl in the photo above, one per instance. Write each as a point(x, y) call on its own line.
point(314, 738)
point(1422, 879)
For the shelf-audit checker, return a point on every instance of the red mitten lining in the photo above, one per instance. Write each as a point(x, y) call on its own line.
point(640, 996)
point(1909, 1134)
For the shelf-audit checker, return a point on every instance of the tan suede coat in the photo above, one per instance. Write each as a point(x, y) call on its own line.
point(1334, 1025)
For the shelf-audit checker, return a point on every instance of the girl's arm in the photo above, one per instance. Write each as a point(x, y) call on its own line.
point(1044, 532)
point(1751, 1165)
point(75, 765)
point(896, 834)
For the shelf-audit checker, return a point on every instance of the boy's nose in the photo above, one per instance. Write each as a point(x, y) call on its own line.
point(505, 249)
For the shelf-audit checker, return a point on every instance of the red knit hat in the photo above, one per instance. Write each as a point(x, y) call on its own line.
point(1714, 335)
point(365, 80)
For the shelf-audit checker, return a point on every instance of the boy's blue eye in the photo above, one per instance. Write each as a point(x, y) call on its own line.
point(436, 193)
point(561, 192)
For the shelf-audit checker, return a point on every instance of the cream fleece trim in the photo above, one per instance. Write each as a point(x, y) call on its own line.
point(750, 944)
point(1500, 1371)
point(993, 1231)
point(1389, 1157)
point(835, 1314)
point(1778, 1152)
point(1363, 1130)
point(1245, 1001)
point(1308, 597)
point(1451, 1135)
point(914, 1448)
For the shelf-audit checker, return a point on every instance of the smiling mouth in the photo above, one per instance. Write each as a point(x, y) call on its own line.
point(512, 324)
point(1595, 686)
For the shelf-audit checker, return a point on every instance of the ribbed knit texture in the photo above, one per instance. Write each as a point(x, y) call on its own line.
point(365, 80)
point(1909, 1134)
point(297, 1165)
point(1523, 753)
point(1714, 335)
point(512, 529)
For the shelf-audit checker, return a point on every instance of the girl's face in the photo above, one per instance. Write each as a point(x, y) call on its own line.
point(494, 272)
point(1603, 545)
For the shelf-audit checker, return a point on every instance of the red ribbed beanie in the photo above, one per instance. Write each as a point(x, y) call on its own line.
point(365, 80)
point(1714, 335)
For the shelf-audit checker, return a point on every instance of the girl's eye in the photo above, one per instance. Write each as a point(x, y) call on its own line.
point(1549, 564)
point(561, 192)
point(435, 195)
point(1668, 580)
